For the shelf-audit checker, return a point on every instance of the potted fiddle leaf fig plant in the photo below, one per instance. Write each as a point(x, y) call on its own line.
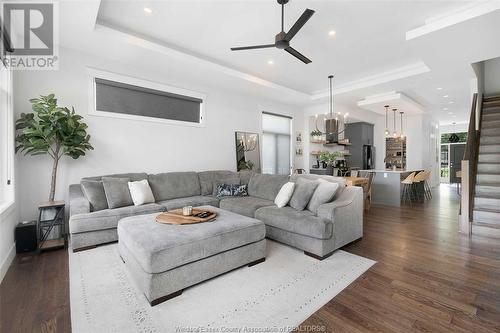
point(52, 130)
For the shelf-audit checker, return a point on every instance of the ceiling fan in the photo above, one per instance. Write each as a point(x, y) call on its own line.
point(282, 39)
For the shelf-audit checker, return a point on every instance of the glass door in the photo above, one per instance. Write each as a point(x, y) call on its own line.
point(276, 144)
point(445, 164)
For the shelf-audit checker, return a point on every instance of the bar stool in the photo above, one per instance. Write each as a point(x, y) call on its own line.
point(408, 188)
point(419, 185)
point(427, 188)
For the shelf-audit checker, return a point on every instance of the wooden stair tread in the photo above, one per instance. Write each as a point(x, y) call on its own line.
point(487, 225)
point(487, 210)
point(487, 196)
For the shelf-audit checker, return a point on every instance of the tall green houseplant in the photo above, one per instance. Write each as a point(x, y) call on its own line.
point(53, 130)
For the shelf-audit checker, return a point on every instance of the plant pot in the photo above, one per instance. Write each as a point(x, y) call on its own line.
point(329, 170)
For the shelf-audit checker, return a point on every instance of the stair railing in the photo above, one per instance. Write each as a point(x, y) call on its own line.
point(469, 168)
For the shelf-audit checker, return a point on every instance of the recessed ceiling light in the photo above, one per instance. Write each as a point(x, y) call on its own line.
point(445, 96)
point(148, 10)
point(332, 33)
point(450, 112)
point(270, 62)
point(445, 109)
point(451, 102)
point(439, 88)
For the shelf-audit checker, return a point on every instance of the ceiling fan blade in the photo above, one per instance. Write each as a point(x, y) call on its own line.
point(306, 15)
point(252, 47)
point(298, 55)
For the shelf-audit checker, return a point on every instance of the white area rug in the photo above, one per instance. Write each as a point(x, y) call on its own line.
point(274, 296)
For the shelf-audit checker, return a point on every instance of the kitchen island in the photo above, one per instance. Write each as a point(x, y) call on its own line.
point(387, 187)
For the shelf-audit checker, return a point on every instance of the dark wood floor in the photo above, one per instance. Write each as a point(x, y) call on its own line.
point(428, 278)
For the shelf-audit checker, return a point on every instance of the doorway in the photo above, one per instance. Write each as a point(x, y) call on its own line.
point(456, 156)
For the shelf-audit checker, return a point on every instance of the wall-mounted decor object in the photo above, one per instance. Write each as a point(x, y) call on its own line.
point(247, 151)
point(298, 137)
point(298, 151)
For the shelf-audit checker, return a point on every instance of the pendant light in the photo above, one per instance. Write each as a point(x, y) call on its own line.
point(395, 133)
point(332, 128)
point(387, 132)
point(401, 134)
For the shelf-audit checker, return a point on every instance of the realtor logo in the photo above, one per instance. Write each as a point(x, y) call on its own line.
point(32, 31)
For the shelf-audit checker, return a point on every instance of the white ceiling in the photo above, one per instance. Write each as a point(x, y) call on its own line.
point(369, 53)
point(370, 35)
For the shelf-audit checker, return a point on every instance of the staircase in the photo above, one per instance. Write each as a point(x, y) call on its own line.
point(486, 213)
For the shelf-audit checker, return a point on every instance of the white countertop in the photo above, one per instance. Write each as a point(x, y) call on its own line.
point(391, 171)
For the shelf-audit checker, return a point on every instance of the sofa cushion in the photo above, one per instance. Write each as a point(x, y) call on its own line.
point(304, 190)
point(324, 193)
point(108, 218)
point(209, 178)
point(244, 205)
point(198, 200)
point(94, 192)
point(173, 185)
point(245, 176)
point(117, 192)
point(299, 222)
point(134, 176)
point(161, 247)
point(266, 186)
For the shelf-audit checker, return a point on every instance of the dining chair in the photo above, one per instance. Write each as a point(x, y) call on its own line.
point(367, 188)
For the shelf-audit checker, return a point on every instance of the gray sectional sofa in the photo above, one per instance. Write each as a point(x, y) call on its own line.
point(318, 234)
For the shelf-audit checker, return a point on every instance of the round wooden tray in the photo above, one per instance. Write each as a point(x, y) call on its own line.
point(176, 217)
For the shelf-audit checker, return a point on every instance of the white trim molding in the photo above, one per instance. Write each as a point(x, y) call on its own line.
point(4, 266)
point(93, 73)
point(465, 13)
point(374, 80)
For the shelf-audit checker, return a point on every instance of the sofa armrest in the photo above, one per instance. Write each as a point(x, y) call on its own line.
point(346, 214)
point(78, 203)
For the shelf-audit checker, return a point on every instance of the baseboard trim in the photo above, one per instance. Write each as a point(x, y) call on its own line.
point(4, 267)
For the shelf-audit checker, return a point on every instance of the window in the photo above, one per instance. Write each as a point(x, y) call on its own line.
point(276, 144)
point(6, 139)
point(125, 97)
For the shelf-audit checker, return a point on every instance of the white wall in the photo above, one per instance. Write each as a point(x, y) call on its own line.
point(492, 76)
point(131, 146)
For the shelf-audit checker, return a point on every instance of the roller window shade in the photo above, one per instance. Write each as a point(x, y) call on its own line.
point(117, 97)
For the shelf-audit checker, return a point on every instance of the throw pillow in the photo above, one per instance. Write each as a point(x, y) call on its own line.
point(141, 192)
point(240, 190)
point(224, 182)
point(231, 190)
point(94, 192)
point(324, 193)
point(223, 190)
point(284, 194)
point(302, 194)
point(117, 192)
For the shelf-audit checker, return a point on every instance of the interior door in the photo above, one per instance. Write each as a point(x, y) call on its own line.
point(456, 156)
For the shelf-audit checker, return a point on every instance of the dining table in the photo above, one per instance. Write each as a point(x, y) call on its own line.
point(356, 181)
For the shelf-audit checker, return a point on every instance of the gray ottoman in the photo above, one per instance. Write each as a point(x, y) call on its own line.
point(164, 259)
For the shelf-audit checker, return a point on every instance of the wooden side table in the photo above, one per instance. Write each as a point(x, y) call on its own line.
point(50, 215)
